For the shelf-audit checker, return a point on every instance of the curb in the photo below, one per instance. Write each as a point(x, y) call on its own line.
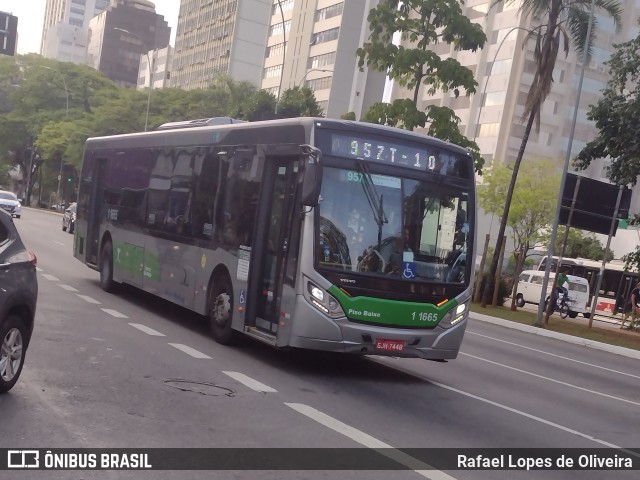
point(627, 352)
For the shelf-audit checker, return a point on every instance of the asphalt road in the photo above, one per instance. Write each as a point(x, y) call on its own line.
point(130, 371)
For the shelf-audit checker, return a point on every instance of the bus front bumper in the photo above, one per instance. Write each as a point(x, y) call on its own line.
point(342, 335)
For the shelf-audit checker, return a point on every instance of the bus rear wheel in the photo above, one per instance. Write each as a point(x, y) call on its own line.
point(221, 310)
point(519, 300)
point(106, 268)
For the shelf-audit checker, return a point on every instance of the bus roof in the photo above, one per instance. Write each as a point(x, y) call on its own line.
point(586, 262)
point(205, 135)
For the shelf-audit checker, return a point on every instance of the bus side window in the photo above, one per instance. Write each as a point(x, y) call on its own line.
point(240, 204)
point(209, 175)
point(177, 218)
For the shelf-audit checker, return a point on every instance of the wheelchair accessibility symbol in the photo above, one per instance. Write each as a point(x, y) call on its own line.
point(408, 269)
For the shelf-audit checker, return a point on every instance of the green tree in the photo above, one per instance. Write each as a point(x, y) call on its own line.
point(617, 117)
point(580, 245)
point(560, 23)
point(423, 24)
point(5, 178)
point(532, 208)
point(299, 102)
point(261, 105)
point(38, 91)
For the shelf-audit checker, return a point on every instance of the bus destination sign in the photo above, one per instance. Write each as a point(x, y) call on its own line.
point(424, 157)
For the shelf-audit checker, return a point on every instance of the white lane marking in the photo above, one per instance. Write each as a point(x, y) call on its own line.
point(190, 351)
point(250, 382)
point(38, 269)
point(368, 441)
point(147, 330)
point(59, 243)
point(53, 278)
point(68, 288)
point(528, 415)
point(499, 405)
point(89, 299)
point(556, 356)
point(595, 392)
point(114, 313)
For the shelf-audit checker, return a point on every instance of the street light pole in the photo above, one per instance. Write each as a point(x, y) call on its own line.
point(284, 54)
point(146, 120)
point(66, 91)
point(484, 90)
point(477, 128)
point(556, 218)
point(64, 83)
point(309, 71)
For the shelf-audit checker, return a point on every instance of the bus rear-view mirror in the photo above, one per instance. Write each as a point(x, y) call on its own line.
point(312, 177)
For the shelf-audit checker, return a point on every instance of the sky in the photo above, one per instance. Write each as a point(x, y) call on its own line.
point(30, 15)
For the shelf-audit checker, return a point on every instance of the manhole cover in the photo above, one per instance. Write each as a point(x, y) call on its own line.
point(203, 388)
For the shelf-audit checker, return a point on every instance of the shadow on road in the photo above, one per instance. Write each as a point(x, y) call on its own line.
point(307, 363)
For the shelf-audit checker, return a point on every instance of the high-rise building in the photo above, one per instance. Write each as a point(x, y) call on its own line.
point(160, 61)
point(8, 34)
point(504, 71)
point(122, 33)
point(222, 37)
point(321, 38)
point(64, 32)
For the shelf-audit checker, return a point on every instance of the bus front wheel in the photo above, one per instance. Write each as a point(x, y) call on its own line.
point(106, 268)
point(221, 310)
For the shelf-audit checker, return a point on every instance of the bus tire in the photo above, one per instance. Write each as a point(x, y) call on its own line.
point(520, 301)
point(106, 268)
point(586, 314)
point(572, 314)
point(221, 310)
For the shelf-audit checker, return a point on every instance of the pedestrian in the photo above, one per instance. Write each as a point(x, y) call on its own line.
point(633, 307)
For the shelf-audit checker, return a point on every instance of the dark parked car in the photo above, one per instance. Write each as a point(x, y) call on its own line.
point(69, 218)
point(18, 296)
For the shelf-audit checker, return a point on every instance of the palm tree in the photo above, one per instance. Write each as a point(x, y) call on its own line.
point(559, 23)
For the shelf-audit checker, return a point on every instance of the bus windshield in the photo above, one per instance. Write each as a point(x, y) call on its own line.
point(386, 225)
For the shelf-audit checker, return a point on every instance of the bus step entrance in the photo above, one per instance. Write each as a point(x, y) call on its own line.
point(261, 335)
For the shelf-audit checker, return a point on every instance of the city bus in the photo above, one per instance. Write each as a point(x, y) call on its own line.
point(306, 233)
point(616, 285)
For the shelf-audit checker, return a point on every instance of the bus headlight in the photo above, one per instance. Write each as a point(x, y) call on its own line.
point(455, 315)
point(323, 301)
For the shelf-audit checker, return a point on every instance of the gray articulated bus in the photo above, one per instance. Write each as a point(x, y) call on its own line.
point(310, 233)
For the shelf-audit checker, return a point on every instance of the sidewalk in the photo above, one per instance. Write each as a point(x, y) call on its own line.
point(603, 323)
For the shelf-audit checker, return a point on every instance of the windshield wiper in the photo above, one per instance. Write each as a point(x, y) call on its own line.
point(376, 202)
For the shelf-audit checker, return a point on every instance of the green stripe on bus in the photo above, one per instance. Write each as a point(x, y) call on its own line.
point(136, 260)
point(391, 312)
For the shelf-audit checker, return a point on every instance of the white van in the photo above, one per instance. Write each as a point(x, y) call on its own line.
point(530, 285)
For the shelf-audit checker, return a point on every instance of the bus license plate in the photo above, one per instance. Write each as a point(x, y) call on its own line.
point(389, 345)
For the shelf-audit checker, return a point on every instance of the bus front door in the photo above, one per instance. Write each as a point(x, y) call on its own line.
point(277, 209)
